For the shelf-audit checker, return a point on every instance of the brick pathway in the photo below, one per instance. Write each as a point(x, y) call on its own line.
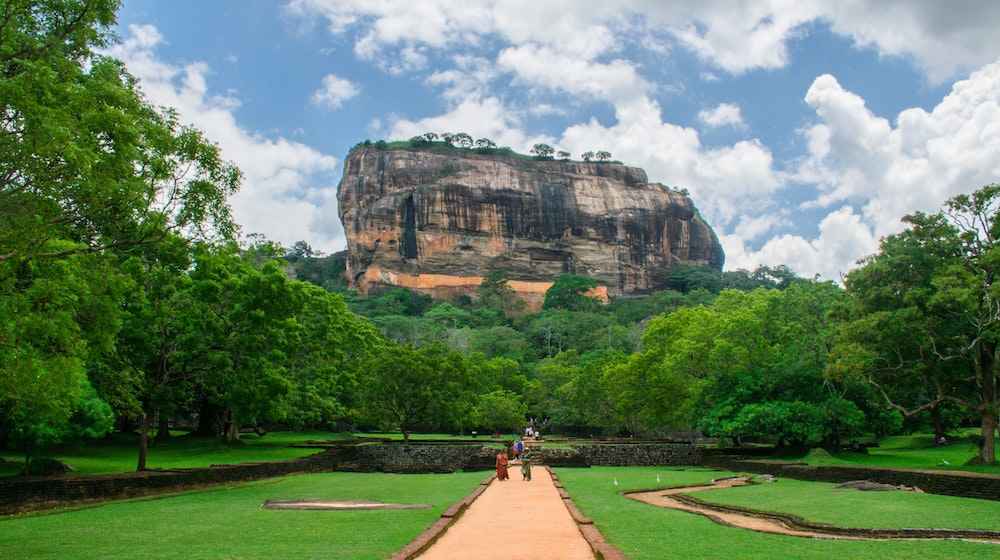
point(514, 520)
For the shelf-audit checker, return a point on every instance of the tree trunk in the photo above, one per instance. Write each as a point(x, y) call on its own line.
point(938, 425)
point(232, 428)
point(208, 420)
point(163, 427)
point(143, 442)
point(988, 407)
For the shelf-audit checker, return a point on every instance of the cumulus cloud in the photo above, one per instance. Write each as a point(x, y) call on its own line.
point(288, 192)
point(843, 239)
point(333, 91)
point(943, 38)
point(537, 66)
point(723, 114)
point(726, 181)
point(913, 164)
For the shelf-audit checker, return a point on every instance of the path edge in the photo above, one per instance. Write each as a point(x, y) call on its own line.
point(430, 535)
point(602, 549)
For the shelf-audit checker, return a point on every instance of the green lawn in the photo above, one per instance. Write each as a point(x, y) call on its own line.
point(119, 453)
point(643, 531)
point(820, 501)
point(229, 522)
point(916, 451)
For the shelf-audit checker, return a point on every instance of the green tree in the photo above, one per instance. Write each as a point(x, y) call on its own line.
point(569, 291)
point(587, 156)
point(408, 388)
point(603, 155)
point(495, 292)
point(502, 410)
point(56, 316)
point(325, 360)
point(953, 309)
point(542, 151)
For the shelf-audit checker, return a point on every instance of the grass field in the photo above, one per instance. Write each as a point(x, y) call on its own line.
point(229, 522)
point(823, 502)
point(119, 453)
point(915, 451)
point(643, 531)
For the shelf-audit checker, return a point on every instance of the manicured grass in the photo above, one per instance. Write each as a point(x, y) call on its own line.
point(643, 531)
point(823, 502)
point(119, 453)
point(916, 451)
point(230, 523)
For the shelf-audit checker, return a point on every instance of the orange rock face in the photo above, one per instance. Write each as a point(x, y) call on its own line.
point(438, 220)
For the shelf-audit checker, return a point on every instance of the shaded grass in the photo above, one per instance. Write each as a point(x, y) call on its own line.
point(823, 502)
point(229, 522)
point(915, 451)
point(119, 452)
point(643, 531)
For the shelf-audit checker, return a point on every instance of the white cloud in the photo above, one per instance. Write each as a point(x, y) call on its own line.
point(843, 239)
point(534, 65)
point(724, 114)
point(725, 181)
point(333, 91)
point(288, 191)
point(482, 118)
point(737, 36)
point(916, 164)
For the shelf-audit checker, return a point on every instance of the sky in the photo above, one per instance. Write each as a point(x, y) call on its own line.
point(804, 130)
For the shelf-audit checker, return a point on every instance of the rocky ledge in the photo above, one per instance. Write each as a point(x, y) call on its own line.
point(437, 221)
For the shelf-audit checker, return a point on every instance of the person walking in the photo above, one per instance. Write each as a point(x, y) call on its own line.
point(518, 448)
point(526, 466)
point(502, 465)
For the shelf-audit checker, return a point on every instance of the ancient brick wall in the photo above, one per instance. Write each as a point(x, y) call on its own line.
point(639, 454)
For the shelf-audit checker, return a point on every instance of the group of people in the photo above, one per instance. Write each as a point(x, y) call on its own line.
point(515, 452)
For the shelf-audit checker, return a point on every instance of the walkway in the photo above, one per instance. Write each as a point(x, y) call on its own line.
point(514, 520)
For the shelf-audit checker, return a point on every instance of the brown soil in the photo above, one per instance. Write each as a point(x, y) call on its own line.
point(337, 506)
point(676, 498)
point(514, 520)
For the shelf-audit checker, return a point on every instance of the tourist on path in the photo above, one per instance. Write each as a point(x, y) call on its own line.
point(502, 465)
point(518, 448)
point(526, 466)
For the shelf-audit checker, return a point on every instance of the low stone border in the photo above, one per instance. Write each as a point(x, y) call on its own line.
point(430, 535)
point(603, 550)
point(949, 483)
point(800, 523)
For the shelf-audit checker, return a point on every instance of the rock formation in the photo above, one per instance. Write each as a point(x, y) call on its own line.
point(437, 220)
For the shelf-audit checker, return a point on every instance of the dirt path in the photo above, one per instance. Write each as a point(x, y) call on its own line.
point(514, 520)
point(775, 524)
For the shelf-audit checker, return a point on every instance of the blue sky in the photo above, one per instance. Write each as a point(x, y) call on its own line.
point(803, 132)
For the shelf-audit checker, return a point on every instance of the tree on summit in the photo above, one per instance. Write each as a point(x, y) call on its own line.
point(542, 151)
point(462, 140)
point(587, 156)
point(603, 155)
point(563, 155)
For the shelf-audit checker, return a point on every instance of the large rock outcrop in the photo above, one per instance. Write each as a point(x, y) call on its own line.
point(438, 220)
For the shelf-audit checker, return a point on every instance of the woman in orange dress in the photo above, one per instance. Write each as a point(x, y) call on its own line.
point(502, 465)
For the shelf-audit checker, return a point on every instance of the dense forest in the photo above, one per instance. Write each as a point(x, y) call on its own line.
point(129, 301)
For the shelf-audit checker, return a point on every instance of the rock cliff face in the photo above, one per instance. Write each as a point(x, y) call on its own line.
point(437, 221)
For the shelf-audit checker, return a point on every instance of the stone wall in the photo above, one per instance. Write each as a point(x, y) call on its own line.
point(949, 483)
point(417, 457)
point(23, 493)
point(639, 454)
